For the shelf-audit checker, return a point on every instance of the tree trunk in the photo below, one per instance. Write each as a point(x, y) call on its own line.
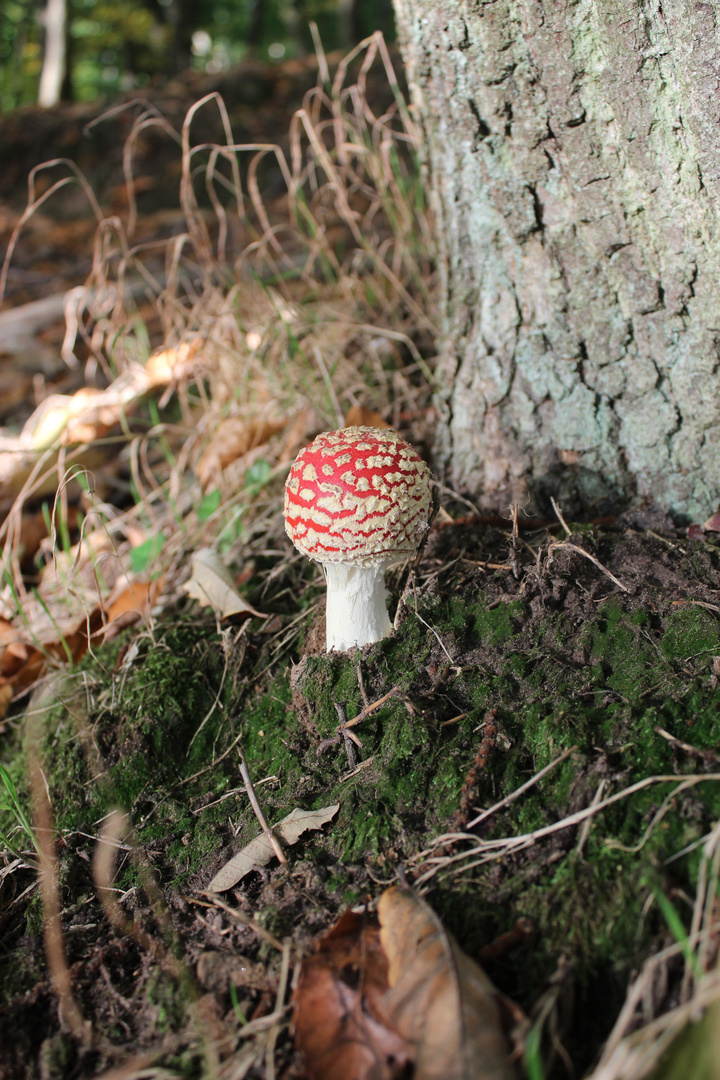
point(573, 156)
point(53, 69)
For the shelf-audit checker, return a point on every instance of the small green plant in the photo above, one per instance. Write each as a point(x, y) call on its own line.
point(236, 1005)
point(144, 554)
point(10, 803)
point(209, 504)
point(678, 931)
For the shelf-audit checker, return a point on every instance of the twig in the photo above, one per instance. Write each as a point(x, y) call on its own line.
point(367, 709)
point(348, 736)
point(116, 826)
point(514, 560)
point(491, 850)
point(692, 751)
point(258, 809)
point(699, 603)
point(581, 551)
point(247, 920)
point(521, 790)
point(561, 519)
point(605, 1069)
point(453, 719)
point(585, 827)
point(363, 765)
point(207, 768)
point(432, 629)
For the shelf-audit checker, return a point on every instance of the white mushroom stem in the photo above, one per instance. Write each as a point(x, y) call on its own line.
point(356, 612)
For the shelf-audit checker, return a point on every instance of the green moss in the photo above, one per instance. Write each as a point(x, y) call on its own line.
point(21, 969)
point(690, 632)
point(604, 686)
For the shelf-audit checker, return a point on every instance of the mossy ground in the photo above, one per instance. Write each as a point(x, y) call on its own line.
point(496, 675)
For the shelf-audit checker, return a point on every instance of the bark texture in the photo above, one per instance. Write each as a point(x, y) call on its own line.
point(573, 154)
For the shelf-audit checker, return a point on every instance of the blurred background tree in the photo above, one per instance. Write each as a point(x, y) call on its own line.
point(111, 46)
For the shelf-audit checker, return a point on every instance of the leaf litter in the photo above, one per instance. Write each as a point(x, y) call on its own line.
point(260, 850)
point(440, 1000)
point(388, 995)
point(212, 585)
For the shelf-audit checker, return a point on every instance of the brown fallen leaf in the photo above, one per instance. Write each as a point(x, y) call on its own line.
point(6, 696)
point(342, 1028)
point(14, 650)
point(172, 363)
point(71, 648)
point(212, 585)
point(260, 851)
point(359, 416)
point(440, 1000)
point(233, 439)
point(128, 603)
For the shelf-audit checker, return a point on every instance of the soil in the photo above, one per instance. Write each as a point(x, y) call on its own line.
point(496, 673)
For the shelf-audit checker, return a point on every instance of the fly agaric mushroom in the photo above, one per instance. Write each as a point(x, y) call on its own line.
point(357, 500)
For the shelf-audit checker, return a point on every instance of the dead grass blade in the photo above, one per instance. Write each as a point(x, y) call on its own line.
point(490, 850)
point(68, 1008)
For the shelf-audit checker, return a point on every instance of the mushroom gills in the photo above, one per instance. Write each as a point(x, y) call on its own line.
point(356, 612)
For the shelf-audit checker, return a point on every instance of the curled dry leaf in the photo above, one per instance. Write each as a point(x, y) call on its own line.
point(342, 1028)
point(128, 603)
point(713, 522)
point(440, 1000)
point(82, 418)
point(171, 364)
point(212, 585)
point(260, 851)
point(233, 439)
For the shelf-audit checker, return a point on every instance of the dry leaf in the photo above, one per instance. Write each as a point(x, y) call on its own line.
point(713, 523)
point(359, 416)
point(341, 1024)
point(259, 851)
point(172, 363)
point(233, 439)
point(212, 585)
point(14, 650)
point(6, 696)
point(440, 1000)
point(126, 604)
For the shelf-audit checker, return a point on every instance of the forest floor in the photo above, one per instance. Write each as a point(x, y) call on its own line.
point(533, 749)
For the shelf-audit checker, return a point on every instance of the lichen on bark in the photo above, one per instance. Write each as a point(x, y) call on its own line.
point(572, 160)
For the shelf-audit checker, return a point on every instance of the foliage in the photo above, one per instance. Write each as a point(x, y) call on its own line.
point(119, 45)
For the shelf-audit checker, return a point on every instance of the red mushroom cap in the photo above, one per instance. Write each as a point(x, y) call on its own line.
point(358, 495)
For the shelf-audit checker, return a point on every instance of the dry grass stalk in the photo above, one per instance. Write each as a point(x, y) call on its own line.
point(285, 313)
point(116, 827)
point(490, 850)
point(559, 545)
point(68, 1008)
point(633, 1050)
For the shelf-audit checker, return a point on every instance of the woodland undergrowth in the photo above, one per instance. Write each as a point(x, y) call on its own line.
point(534, 748)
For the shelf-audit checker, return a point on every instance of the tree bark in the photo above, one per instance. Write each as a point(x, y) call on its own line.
point(572, 151)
